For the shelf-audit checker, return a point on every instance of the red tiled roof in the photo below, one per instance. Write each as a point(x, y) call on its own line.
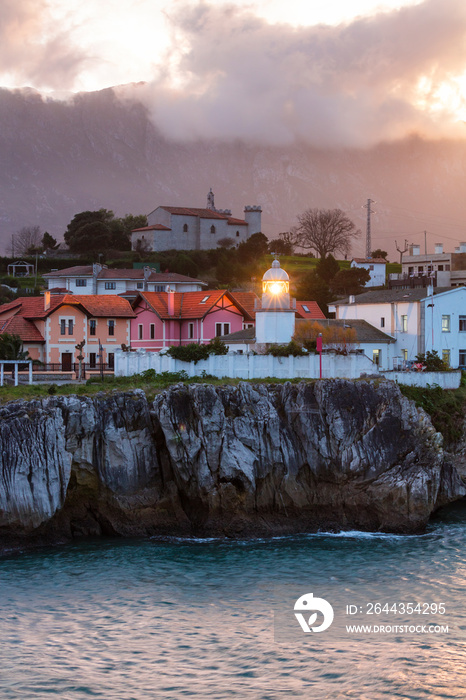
point(76, 271)
point(247, 301)
point(99, 305)
point(367, 261)
point(155, 227)
point(27, 331)
point(188, 304)
point(10, 305)
point(313, 312)
point(194, 211)
point(236, 222)
point(93, 304)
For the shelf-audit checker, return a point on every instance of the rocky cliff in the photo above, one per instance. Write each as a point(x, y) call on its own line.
point(234, 461)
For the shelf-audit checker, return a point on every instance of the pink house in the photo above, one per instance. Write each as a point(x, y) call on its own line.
point(175, 318)
point(51, 327)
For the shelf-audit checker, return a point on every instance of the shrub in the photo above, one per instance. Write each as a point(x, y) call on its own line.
point(292, 348)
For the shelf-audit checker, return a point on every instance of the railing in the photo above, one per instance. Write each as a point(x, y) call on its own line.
point(63, 368)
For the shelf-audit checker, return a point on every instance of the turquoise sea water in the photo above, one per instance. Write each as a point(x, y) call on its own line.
point(214, 619)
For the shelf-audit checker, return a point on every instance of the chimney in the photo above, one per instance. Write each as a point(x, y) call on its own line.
point(438, 248)
point(47, 301)
point(462, 247)
point(171, 301)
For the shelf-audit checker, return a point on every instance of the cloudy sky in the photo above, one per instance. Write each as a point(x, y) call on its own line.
point(276, 71)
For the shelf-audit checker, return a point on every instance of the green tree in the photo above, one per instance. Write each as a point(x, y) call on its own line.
point(311, 287)
point(253, 249)
point(11, 347)
point(283, 245)
point(325, 231)
point(327, 268)
point(350, 281)
point(48, 242)
point(379, 253)
point(100, 230)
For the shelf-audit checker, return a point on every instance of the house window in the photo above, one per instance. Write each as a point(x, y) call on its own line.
point(446, 357)
point(420, 269)
point(404, 355)
point(92, 326)
point(462, 323)
point(152, 331)
point(404, 323)
point(462, 358)
point(382, 322)
point(190, 331)
point(70, 326)
point(160, 288)
point(203, 301)
point(92, 360)
point(226, 328)
point(447, 268)
point(218, 329)
point(212, 229)
point(306, 308)
point(371, 267)
point(411, 271)
point(110, 285)
point(440, 268)
point(185, 228)
point(237, 234)
point(445, 323)
point(376, 357)
point(81, 283)
point(62, 327)
point(111, 360)
point(140, 331)
point(111, 327)
point(139, 285)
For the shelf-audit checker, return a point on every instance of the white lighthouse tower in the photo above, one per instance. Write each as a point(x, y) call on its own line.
point(275, 320)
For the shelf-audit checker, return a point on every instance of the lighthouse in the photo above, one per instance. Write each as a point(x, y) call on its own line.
point(275, 320)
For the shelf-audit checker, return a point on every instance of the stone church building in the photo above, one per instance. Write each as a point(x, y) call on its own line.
point(186, 228)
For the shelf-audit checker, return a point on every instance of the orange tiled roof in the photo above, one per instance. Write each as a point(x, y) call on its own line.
point(247, 301)
point(194, 211)
point(189, 304)
point(314, 310)
point(236, 222)
point(99, 305)
point(155, 227)
point(77, 270)
point(367, 261)
point(27, 331)
point(93, 305)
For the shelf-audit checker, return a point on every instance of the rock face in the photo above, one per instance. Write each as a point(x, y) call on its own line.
point(236, 461)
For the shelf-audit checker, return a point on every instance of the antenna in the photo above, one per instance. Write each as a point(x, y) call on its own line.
point(368, 227)
point(402, 251)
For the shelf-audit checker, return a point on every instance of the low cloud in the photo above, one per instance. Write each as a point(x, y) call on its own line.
point(234, 76)
point(33, 49)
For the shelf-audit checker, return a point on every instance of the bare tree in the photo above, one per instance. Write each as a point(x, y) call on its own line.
point(26, 241)
point(325, 231)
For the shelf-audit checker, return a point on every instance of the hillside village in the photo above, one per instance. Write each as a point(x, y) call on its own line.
point(88, 314)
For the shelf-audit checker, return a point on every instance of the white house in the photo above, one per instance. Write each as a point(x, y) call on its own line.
point(418, 320)
point(375, 266)
point(98, 279)
point(191, 228)
point(443, 325)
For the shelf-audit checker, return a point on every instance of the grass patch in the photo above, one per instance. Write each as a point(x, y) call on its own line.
point(446, 408)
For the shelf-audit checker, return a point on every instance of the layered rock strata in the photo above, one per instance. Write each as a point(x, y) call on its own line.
point(234, 461)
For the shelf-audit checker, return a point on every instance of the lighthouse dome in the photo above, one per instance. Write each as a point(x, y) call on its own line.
point(275, 273)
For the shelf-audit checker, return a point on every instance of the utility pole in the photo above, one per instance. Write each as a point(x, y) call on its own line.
point(368, 227)
point(405, 250)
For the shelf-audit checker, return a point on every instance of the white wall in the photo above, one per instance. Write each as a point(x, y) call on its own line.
point(377, 274)
point(247, 366)
point(445, 380)
point(452, 304)
point(391, 313)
